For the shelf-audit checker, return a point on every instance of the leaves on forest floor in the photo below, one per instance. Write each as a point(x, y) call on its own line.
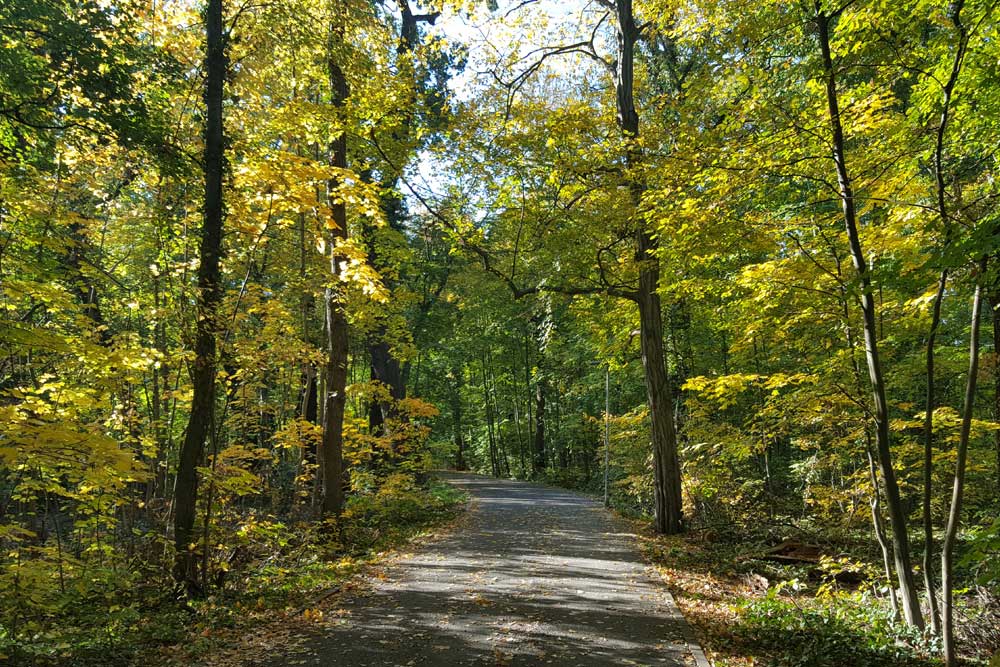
point(263, 632)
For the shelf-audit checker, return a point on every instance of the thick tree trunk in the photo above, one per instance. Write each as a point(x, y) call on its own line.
point(209, 297)
point(958, 486)
point(385, 369)
point(668, 508)
point(669, 518)
point(335, 399)
point(897, 518)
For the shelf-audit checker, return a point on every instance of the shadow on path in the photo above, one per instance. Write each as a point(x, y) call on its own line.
point(537, 576)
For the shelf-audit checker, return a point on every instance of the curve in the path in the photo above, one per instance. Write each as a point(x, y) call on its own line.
point(535, 576)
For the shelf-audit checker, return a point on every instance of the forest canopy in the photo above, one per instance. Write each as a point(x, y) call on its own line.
point(264, 266)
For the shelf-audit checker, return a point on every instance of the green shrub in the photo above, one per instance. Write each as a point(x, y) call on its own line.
point(834, 632)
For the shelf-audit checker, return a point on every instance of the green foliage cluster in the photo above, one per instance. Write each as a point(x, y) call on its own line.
point(825, 633)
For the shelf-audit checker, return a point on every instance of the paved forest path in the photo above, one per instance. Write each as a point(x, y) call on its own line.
point(534, 576)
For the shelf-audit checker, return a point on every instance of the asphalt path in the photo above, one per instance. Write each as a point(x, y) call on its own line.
point(533, 576)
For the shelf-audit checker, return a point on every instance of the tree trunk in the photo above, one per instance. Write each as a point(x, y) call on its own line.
point(929, 404)
point(517, 422)
point(158, 402)
point(335, 399)
point(958, 487)
point(669, 518)
point(955, 12)
point(897, 518)
point(501, 446)
point(879, 527)
point(84, 287)
point(995, 312)
point(385, 368)
point(538, 441)
point(209, 298)
point(488, 404)
point(668, 508)
point(456, 419)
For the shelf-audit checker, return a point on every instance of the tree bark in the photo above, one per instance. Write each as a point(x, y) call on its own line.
point(335, 399)
point(386, 369)
point(503, 456)
point(958, 486)
point(209, 297)
point(897, 518)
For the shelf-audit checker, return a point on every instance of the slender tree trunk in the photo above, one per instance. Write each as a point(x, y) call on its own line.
point(955, 11)
point(209, 298)
point(517, 422)
point(879, 527)
point(878, 523)
point(494, 457)
point(84, 287)
point(309, 399)
point(958, 487)
point(308, 406)
point(607, 432)
point(335, 399)
point(995, 312)
point(897, 518)
point(668, 507)
point(929, 405)
point(538, 459)
point(501, 441)
point(456, 419)
point(529, 395)
point(158, 404)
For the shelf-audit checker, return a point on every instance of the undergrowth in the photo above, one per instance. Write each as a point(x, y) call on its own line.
point(275, 568)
